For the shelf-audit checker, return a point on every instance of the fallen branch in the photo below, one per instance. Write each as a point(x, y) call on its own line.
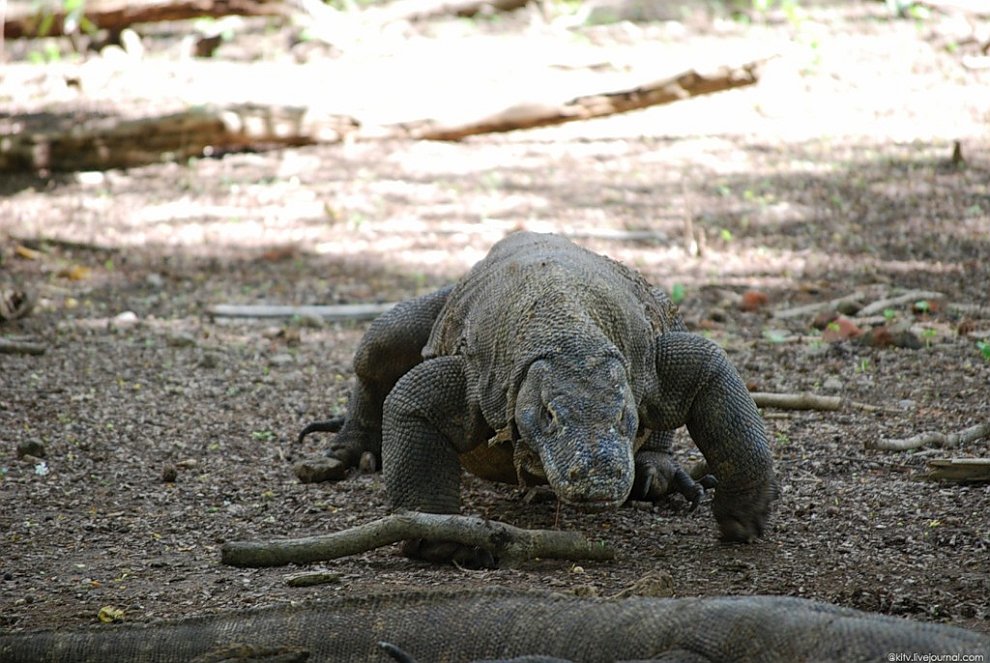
point(801, 401)
point(337, 312)
point(118, 14)
point(964, 436)
point(910, 296)
point(418, 10)
point(959, 469)
point(809, 309)
point(509, 545)
point(62, 143)
point(809, 401)
point(13, 347)
point(531, 115)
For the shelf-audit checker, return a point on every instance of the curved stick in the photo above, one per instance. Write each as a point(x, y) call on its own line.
point(510, 545)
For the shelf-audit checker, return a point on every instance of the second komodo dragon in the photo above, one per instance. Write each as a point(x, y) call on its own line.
point(548, 363)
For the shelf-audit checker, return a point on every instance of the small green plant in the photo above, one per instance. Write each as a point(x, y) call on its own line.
point(929, 335)
point(263, 435)
point(677, 293)
point(782, 439)
point(984, 348)
point(922, 306)
point(889, 314)
point(725, 234)
point(863, 366)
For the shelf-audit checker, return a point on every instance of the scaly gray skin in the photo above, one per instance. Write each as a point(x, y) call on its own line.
point(550, 363)
point(468, 625)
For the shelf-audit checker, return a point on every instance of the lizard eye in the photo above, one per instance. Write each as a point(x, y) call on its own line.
point(627, 420)
point(548, 419)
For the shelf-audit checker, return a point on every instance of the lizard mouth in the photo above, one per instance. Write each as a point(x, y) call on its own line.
point(592, 505)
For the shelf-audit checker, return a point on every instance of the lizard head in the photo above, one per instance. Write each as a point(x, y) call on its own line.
point(578, 417)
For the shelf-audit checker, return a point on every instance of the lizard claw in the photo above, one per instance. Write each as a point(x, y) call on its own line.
point(658, 474)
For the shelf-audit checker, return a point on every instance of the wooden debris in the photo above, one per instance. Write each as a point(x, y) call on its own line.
point(809, 309)
point(65, 143)
point(16, 303)
point(335, 312)
point(118, 14)
point(418, 10)
point(800, 401)
point(312, 578)
point(531, 115)
point(509, 545)
point(959, 469)
point(909, 296)
point(964, 436)
point(10, 346)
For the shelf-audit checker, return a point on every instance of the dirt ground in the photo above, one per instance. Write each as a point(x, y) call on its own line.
point(832, 176)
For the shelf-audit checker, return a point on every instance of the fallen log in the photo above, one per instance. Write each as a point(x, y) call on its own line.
point(685, 85)
point(509, 545)
point(27, 21)
point(959, 469)
point(66, 143)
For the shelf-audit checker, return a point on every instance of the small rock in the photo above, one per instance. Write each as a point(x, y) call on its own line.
point(169, 473)
point(319, 469)
point(209, 360)
point(848, 307)
point(31, 448)
point(281, 359)
point(832, 383)
point(585, 591)
point(367, 464)
point(124, 320)
point(155, 280)
point(841, 329)
point(181, 340)
point(891, 336)
point(753, 300)
point(659, 584)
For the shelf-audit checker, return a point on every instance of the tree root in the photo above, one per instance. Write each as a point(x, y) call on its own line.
point(510, 545)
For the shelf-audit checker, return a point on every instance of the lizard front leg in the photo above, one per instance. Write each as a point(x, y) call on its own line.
point(698, 386)
point(659, 474)
point(392, 346)
point(427, 422)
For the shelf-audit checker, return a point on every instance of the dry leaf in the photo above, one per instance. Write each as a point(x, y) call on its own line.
point(28, 254)
point(109, 614)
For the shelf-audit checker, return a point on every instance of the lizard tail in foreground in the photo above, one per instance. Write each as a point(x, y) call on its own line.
point(502, 624)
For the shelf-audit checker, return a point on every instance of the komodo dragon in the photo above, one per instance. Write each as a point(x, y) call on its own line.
point(439, 626)
point(550, 363)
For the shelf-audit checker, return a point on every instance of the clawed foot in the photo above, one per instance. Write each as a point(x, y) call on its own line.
point(350, 447)
point(658, 474)
point(449, 552)
point(742, 515)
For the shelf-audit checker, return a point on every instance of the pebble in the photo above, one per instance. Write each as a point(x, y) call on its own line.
point(31, 448)
point(832, 383)
point(124, 320)
point(318, 469)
